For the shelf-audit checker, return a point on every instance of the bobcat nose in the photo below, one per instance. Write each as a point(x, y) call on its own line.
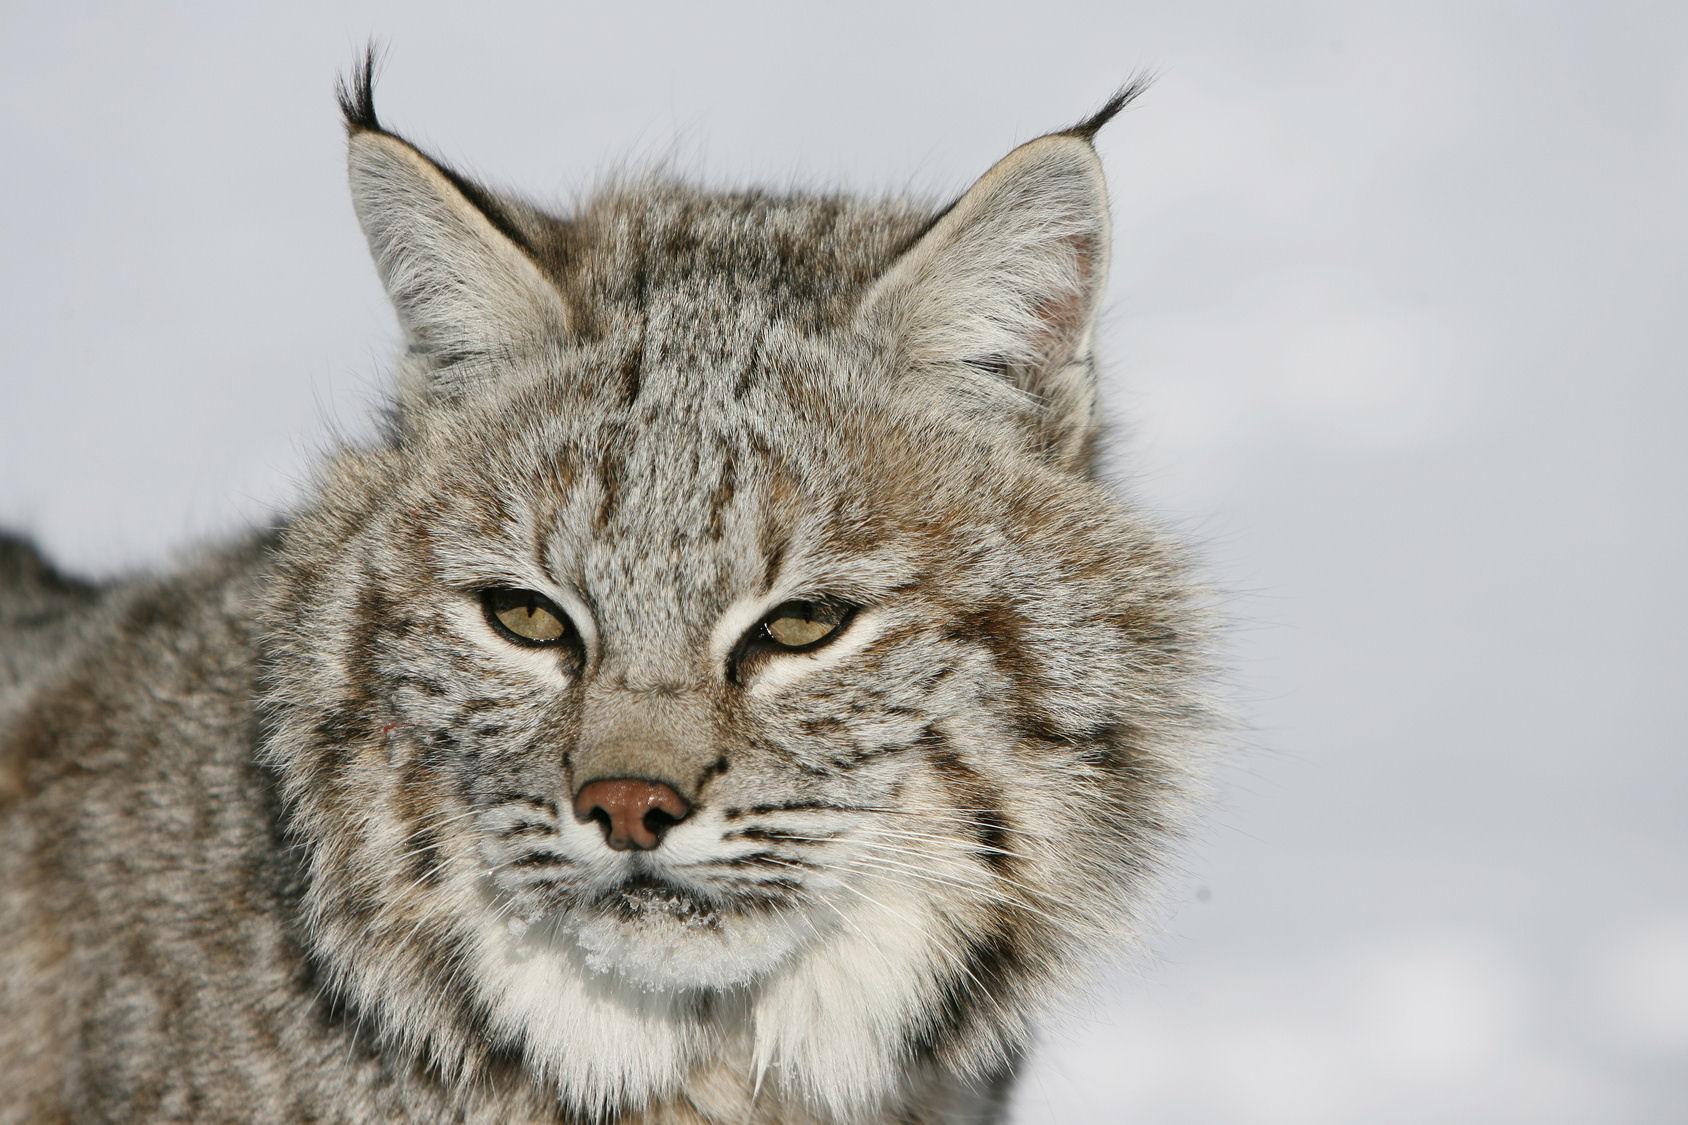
point(633, 812)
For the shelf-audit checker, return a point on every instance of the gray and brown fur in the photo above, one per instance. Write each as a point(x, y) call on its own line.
point(286, 833)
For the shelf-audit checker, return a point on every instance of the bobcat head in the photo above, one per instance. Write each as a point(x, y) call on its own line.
point(730, 649)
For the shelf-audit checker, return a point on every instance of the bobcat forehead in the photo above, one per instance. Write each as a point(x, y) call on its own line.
point(725, 694)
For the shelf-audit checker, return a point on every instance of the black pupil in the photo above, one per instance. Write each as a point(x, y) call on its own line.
point(530, 603)
point(815, 613)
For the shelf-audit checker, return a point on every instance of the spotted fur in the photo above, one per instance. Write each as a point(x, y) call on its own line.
point(288, 832)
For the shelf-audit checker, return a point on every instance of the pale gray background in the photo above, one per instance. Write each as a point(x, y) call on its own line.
point(1396, 329)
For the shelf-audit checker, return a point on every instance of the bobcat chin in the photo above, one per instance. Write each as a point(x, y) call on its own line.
point(726, 694)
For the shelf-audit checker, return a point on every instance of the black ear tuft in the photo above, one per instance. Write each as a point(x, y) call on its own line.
point(356, 94)
point(1124, 96)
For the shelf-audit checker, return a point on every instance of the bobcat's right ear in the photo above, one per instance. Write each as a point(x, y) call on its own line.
point(455, 260)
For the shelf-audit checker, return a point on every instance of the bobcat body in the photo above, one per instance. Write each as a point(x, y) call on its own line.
point(769, 519)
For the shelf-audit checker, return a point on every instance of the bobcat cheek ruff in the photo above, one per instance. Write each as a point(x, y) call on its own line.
point(726, 695)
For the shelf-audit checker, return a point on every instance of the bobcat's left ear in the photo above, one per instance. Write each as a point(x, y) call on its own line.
point(1002, 290)
point(457, 261)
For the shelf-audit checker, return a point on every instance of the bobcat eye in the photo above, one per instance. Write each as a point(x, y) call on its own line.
point(525, 616)
point(799, 625)
point(794, 626)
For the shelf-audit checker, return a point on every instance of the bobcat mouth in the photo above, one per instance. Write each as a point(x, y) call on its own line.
point(646, 896)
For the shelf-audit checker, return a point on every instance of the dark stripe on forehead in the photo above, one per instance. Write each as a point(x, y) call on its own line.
point(752, 367)
point(609, 491)
point(781, 509)
point(557, 471)
point(726, 487)
point(774, 553)
point(633, 372)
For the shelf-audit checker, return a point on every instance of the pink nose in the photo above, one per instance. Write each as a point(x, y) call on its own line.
point(633, 812)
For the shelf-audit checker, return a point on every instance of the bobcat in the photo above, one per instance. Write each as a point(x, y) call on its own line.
point(724, 694)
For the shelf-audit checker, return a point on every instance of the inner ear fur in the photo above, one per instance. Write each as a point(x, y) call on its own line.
point(999, 296)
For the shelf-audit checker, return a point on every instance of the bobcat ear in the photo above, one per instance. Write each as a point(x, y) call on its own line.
point(455, 260)
point(1002, 290)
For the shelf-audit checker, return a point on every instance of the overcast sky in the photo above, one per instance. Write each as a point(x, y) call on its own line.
point(1396, 331)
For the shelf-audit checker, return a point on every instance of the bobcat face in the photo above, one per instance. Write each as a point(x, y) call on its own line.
point(664, 548)
point(731, 634)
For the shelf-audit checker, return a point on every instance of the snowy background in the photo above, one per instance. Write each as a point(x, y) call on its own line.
point(1397, 330)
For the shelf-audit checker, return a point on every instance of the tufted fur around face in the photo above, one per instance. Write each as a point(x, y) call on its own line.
point(669, 413)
